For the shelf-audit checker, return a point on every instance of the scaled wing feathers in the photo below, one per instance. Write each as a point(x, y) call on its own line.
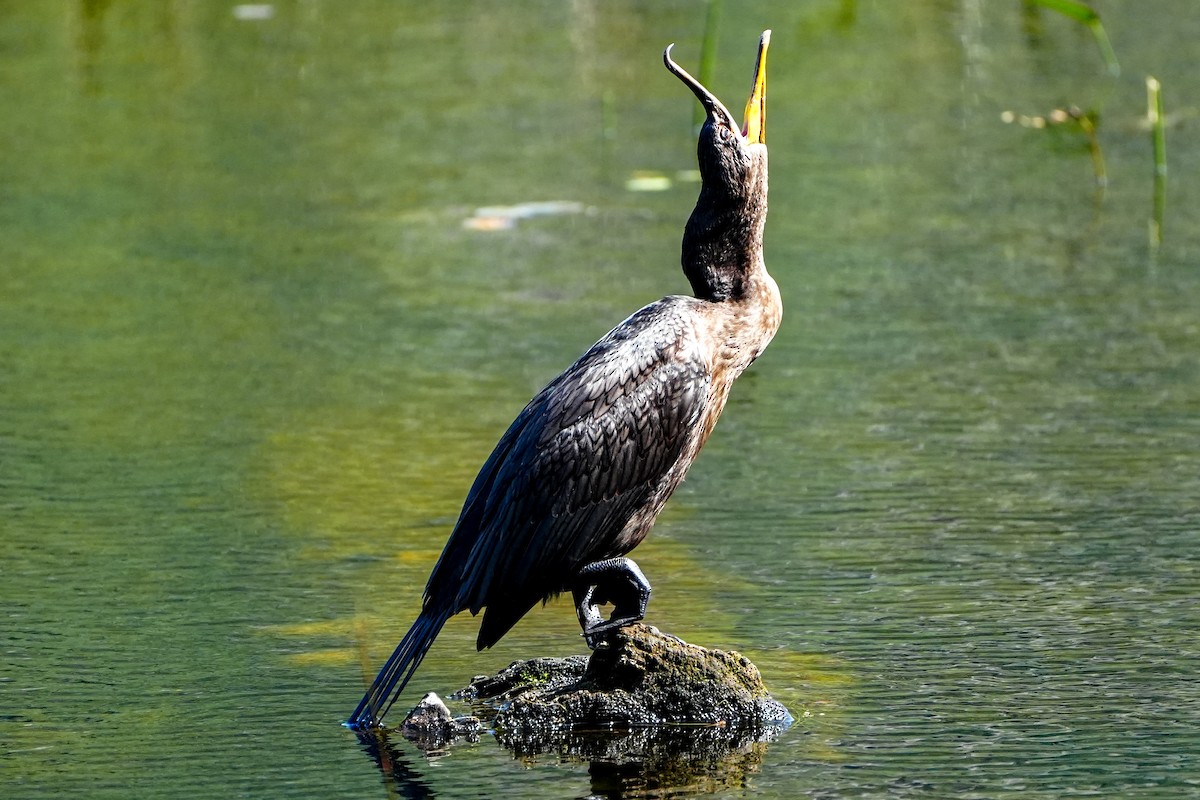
point(587, 454)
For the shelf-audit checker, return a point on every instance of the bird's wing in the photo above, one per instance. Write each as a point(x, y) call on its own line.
point(587, 453)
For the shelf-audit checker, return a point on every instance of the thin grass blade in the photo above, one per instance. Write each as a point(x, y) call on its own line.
point(1086, 15)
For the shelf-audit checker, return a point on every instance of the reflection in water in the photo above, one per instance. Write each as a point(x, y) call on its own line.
point(394, 764)
point(663, 761)
point(90, 40)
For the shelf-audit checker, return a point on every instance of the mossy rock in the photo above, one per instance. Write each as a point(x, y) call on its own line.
point(640, 678)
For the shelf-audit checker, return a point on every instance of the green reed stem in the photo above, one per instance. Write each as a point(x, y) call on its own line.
point(1086, 15)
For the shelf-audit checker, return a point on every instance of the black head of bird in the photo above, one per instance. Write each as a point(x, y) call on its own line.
point(723, 237)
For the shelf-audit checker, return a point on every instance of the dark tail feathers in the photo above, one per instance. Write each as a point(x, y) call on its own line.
point(396, 673)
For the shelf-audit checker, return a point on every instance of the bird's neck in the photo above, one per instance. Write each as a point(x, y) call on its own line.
point(722, 244)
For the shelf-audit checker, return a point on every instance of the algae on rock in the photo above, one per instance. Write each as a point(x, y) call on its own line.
point(641, 678)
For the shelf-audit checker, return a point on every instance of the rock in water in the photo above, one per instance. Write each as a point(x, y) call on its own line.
point(431, 726)
point(642, 678)
point(647, 711)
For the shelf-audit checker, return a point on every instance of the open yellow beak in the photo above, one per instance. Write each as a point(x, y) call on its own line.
point(754, 127)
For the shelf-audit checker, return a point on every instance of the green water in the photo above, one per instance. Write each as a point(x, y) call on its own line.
point(251, 357)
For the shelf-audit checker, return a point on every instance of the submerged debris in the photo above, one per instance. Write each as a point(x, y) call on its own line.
point(253, 12)
point(502, 218)
point(431, 726)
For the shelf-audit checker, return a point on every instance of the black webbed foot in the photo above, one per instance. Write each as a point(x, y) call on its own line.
point(615, 580)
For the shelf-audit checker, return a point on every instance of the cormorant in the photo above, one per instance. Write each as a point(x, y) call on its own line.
point(578, 479)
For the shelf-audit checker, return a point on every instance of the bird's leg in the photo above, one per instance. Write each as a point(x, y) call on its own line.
point(618, 580)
